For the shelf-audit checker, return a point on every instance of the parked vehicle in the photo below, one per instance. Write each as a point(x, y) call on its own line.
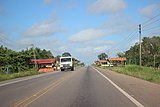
point(106, 64)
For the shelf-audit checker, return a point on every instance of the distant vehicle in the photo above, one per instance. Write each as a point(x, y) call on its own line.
point(106, 64)
point(66, 63)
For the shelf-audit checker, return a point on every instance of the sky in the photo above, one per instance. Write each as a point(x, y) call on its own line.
point(85, 28)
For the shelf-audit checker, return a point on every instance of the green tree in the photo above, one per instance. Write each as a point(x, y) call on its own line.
point(102, 56)
point(57, 58)
point(65, 54)
point(150, 52)
point(43, 54)
point(19, 61)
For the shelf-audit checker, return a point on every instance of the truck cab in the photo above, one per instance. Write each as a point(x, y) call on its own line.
point(66, 63)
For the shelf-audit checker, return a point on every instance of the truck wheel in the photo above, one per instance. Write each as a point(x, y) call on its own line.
point(72, 69)
point(62, 69)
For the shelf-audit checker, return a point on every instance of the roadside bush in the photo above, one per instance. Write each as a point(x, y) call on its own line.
point(30, 72)
point(146, 73)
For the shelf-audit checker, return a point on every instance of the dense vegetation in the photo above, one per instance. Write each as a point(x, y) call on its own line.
point(19, 61)
point(150, 52)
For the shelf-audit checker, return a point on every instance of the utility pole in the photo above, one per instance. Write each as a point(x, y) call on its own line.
point(140, 46)
point(154, 56)
point(154, 60)
point(34, 54)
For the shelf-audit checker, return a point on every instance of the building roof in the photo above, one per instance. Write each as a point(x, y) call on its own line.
point(117, 59)
point(43, 61)
point(102, 61)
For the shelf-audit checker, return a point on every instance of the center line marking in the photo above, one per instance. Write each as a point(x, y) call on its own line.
point(28, 100)
point(121, 90)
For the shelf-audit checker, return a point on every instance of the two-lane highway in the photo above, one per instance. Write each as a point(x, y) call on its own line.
point(84, 87)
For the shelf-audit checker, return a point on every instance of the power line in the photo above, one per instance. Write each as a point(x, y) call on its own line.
point(150, 19)
point(152, 33)
point(151, 28)
point(3, 39)
point(128, 38)
point(151, 23)
point(132, 35)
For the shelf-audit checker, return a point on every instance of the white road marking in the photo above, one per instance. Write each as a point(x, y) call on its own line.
point(121, 90)
point(25, 78)
point(14, 82)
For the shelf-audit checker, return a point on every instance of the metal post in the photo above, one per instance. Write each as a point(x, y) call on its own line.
point(140, 47)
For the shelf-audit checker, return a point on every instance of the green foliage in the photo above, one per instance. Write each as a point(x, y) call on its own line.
point(145, 73)
point(57, 58)
point(19, 61)
point(150, 52)
point(43, 54)
point(120, 55)
point(65, 54)
point(102, 56)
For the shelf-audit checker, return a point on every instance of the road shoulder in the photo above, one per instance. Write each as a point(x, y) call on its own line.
point(11, 81)
point(145, 92)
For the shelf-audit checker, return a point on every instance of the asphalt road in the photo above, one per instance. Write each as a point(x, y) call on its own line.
point(84, 87)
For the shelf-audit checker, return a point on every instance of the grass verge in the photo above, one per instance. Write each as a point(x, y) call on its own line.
point(19, 74)
point(145, 73)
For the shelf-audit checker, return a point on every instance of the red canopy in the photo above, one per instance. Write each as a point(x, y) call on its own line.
point(102, 61)
point(43, 61)
point(117, 59)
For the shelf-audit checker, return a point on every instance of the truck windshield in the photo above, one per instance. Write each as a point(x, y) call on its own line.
point(66, 60)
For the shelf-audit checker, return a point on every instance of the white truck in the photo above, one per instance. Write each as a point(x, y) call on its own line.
point(66, 63)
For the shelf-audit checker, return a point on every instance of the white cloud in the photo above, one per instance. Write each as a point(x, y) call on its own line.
point(95, 47)
point(98, 43)
point(86, 35)
point(45, 28)
point(56, 46)
point(24, 42)
point(119, 25)
point(100, 49)
point(89, 53)
point(112, 26)
point(48, 1)
point(149, 10)
point(107, 6)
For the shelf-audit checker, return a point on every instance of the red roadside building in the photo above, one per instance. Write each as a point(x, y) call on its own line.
point(44, 65)
point(117, 61)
